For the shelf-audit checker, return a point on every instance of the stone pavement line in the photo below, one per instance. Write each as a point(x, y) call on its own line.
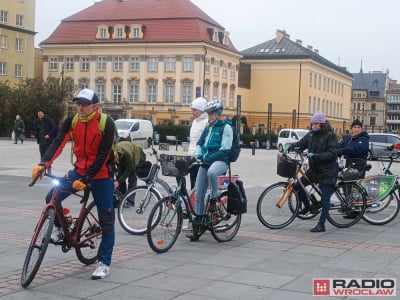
point(318, 242)
point(12, 282)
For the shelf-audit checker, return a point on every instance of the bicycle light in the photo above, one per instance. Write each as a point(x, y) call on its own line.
point(56, 182)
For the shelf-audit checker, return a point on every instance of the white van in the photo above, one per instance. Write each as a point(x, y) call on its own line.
point(135, 130)
point(288, 136)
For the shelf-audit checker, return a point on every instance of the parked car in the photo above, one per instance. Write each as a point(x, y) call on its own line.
point(288, 136)
point(378, 143)
point(135, 130)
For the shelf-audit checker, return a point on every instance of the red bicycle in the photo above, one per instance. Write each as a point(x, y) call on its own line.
point(83, 233)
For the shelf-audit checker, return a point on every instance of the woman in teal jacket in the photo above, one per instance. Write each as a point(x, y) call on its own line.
point(212, 148)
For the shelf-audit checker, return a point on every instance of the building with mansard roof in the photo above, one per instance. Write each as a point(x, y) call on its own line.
point(368, 99)
point(145, 58)
point(296, 81)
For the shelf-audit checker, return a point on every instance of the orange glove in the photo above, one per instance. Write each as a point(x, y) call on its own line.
point(78, 185)
point(36, 170)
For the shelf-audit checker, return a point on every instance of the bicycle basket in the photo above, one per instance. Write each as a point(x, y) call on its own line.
point(286, 166)
point(142, 170)
point(175, 165)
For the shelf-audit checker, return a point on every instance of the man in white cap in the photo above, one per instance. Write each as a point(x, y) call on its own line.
point(94, 165)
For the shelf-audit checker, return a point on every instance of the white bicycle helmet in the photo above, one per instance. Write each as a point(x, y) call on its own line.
point(214, 106)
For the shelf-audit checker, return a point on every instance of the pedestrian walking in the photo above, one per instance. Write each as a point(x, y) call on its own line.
point(19, 129)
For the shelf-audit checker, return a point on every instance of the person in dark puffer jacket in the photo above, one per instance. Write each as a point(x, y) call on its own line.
point(322, 145)
point(355, 147)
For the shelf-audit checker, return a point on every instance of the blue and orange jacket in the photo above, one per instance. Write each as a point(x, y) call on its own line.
point(92, 148)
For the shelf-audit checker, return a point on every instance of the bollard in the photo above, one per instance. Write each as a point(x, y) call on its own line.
point(253, 148)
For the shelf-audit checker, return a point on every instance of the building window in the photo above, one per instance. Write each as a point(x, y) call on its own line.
point(19, 44)
point(53, 64)
point(152, 91)
point(206, 89)
point(187, 64)
point(373, 107)
point(3, 68)
point(232, 96)
point(215, 90)
point(310, 80)
point(101, 63)
point(224, 71)
point(153, 64)
point(18, 70)
point(3, 41)
point(118, 64)
point(372, 121)
point(69, 64)
point(19, 21)
point(85, 64)
point(170, 64)
point(233, 72)
point(103, 33)
point(117, 93)
point(119, 34)
point(207, 65)
point(3, 16)
point(135, 63)
point(216, 68)
point(100, 91)
point(169, 93)
point(134, 92)
point(136, 33)
point(187, 92)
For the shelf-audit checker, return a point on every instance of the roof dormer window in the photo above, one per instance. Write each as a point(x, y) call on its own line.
point(215, 35)
point(119, 32)
point(102, 32)
point(225, 40)
point(136, 31)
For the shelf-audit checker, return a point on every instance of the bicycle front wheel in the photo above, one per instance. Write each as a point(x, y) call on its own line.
point(135, 207)
point(164, 224)
point(277, 206)
point(348, 204)
point(224, 226)
point(89, 234)
point(37, 247)
point(383, 211)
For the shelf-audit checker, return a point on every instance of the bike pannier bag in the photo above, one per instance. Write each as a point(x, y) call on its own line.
point(237, 201)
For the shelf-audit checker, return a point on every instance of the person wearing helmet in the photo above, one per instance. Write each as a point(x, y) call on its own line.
point(212, 148)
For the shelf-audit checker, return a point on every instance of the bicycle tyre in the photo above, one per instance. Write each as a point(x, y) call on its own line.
point(272, 216)
point(133, 214)
point(164, 224)
point(348, 204)
point(225, 227)
point(87, 253)
point(33, 258)
point(383, 211)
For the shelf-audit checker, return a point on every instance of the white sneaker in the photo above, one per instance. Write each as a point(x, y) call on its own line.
point(188, 227)
point(101, 271)
point(55, 236)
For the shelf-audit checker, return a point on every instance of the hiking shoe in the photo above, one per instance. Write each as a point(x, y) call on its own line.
point(56, 235)
point(213, 205)
point(101, 271)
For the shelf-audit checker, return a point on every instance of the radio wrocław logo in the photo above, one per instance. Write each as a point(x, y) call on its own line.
point(354, 287)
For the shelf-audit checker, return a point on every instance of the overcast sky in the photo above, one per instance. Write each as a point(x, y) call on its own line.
point(344, 31)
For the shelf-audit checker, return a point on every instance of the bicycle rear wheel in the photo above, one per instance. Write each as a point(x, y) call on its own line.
point(164, 224)
point(37, 247)
point(277, 207)
point(135, 207)
point(224, 226)
point(89, 236)
point(348, 204)
point(383, 211)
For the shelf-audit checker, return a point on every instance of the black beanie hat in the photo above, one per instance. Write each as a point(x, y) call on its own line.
point(356, 122)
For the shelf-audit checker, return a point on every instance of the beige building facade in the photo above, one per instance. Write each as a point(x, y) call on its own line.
point(297, 81)
point(17, 24)
point(141, 67)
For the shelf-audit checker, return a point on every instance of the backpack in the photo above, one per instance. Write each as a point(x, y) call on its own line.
point(235, 150)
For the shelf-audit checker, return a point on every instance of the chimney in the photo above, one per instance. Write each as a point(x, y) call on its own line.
point(299, 42)
point(309, 47)
point(280, 34)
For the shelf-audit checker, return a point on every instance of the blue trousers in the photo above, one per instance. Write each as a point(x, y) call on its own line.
point(208, 177)
point(102, 190)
